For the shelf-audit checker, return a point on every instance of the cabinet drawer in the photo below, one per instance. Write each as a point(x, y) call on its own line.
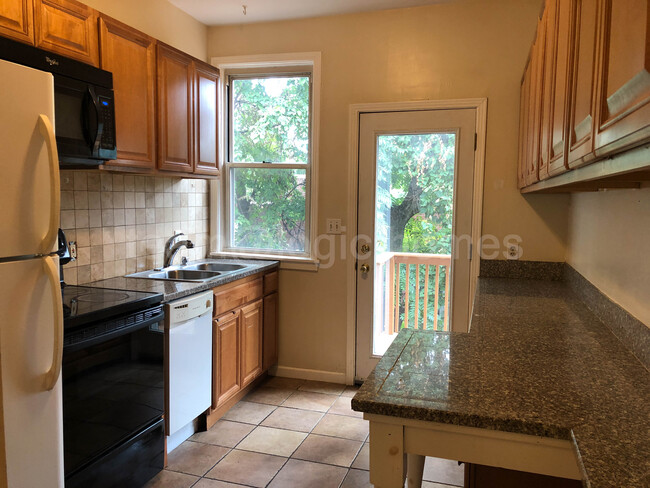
point(225, 300)
point(270, 283)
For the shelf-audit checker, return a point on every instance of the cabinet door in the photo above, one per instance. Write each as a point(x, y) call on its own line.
point(547, 82)
point(175, 101)
point(524, 109)
point(17, 20)
point(535, 113)
point(270, 355)
point(226, 377)
point(251, 316)
point(560, 86)
point(624, 95)
point(206, 136)
point(582, 106)
point(67, 27)
point(131, 56)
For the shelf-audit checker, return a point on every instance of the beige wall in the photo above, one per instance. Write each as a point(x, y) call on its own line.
point(457, 50)
point(159, 19)
point(609, 244)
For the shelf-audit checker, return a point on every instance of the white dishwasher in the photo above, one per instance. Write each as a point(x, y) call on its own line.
point(188, 331)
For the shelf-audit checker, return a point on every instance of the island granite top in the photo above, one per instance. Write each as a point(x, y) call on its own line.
point(173, 290)
point(536, 362)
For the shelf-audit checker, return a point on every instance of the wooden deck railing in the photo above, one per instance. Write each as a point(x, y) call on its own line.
point(394, 291)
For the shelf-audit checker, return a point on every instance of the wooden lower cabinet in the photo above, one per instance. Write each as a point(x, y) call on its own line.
point(270, 335)
point(245, 335)
point(226, 357)
point(251, 319)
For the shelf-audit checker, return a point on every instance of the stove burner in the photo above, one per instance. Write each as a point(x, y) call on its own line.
point(102, 296)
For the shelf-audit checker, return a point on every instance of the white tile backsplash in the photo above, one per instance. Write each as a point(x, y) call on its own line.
point(121, 222)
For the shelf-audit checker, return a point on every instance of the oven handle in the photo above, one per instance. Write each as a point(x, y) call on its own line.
point(47, 131)
point(52, 376)
point(129, 329)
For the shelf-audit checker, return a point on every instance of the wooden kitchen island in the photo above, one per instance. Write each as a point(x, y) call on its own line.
point(539, 385)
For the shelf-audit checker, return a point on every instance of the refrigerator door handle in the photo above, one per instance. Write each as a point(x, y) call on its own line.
point(52, 272)
point(47, 131)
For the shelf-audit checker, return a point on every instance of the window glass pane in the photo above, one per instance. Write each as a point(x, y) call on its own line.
point(271, 119)
point(268, 208)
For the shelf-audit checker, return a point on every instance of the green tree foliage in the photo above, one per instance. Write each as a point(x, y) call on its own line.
point(271, 125)
point(414, 196)
point(415, 182)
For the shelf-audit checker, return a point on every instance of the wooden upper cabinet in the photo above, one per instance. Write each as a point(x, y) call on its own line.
point(67, 27)
point(624, 95)
point(547, 82)
point(251, 317)
point(226, 361)
point(131, 56)
point(206, 135)
point(17, 20)
point(559, 91)
point(524, 107)
point(583, 87)
point(175, 110)
point(535, 101)
point(559, 34)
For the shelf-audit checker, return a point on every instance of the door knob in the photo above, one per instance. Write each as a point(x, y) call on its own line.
point(365, 268)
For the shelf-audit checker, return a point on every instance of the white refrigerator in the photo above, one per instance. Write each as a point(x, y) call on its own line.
point(31, 314)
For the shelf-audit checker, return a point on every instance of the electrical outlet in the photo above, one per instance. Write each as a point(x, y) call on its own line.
point(72, 246)
point(333, 226)
point(513, 251)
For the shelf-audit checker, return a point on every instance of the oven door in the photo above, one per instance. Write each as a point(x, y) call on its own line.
point(84, 118)
point(113, 394)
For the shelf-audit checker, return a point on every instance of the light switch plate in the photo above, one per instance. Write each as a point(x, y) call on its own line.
point(333, 226)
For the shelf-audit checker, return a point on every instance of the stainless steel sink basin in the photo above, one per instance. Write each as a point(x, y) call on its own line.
point(196, 272)
point(217, 267)
point(184, 275)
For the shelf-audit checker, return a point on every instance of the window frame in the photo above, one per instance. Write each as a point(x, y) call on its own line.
point(297, 64)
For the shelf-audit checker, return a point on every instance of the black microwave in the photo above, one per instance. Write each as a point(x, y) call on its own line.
point(84, 106)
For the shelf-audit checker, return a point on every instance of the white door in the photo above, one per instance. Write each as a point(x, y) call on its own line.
point(416, 176)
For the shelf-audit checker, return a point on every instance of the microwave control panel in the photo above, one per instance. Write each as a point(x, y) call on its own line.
point(107, 111)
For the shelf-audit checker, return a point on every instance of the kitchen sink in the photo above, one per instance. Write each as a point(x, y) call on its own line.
point(195, 272)
point(184, 275)
point(216, 267)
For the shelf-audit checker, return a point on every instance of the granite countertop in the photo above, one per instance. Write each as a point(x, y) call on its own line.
point(173, 290)
point(537, 362)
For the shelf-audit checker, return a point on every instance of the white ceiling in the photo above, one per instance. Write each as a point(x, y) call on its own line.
point(220, 12)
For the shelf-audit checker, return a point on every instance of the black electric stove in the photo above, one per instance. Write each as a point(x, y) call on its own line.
point(113, 387)
point(85, 305)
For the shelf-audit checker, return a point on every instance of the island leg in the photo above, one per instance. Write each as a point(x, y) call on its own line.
point(415, 470)
point(387, 456)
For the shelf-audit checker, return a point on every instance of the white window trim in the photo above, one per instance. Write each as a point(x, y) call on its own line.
point(219, 194)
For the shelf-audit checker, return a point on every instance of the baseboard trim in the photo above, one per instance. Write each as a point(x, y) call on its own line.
point(311, 374)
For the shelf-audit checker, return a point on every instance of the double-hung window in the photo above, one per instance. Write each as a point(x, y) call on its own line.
point(269, 169)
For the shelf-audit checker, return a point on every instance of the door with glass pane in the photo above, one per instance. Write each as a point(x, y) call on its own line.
point(415, 223)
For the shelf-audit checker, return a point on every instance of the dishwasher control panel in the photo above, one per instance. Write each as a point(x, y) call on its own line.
point(190, 307)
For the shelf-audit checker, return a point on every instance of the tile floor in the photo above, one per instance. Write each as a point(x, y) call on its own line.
point(287, 434)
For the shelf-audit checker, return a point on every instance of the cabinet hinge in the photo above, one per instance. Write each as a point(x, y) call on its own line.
point(471, 250)
point(475, 140)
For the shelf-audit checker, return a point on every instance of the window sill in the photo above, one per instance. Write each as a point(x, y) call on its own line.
point(290, 263)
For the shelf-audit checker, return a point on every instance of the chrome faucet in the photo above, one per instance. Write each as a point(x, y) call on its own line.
point(172, 246)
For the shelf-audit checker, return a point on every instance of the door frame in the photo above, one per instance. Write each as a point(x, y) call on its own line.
point(480, 105)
